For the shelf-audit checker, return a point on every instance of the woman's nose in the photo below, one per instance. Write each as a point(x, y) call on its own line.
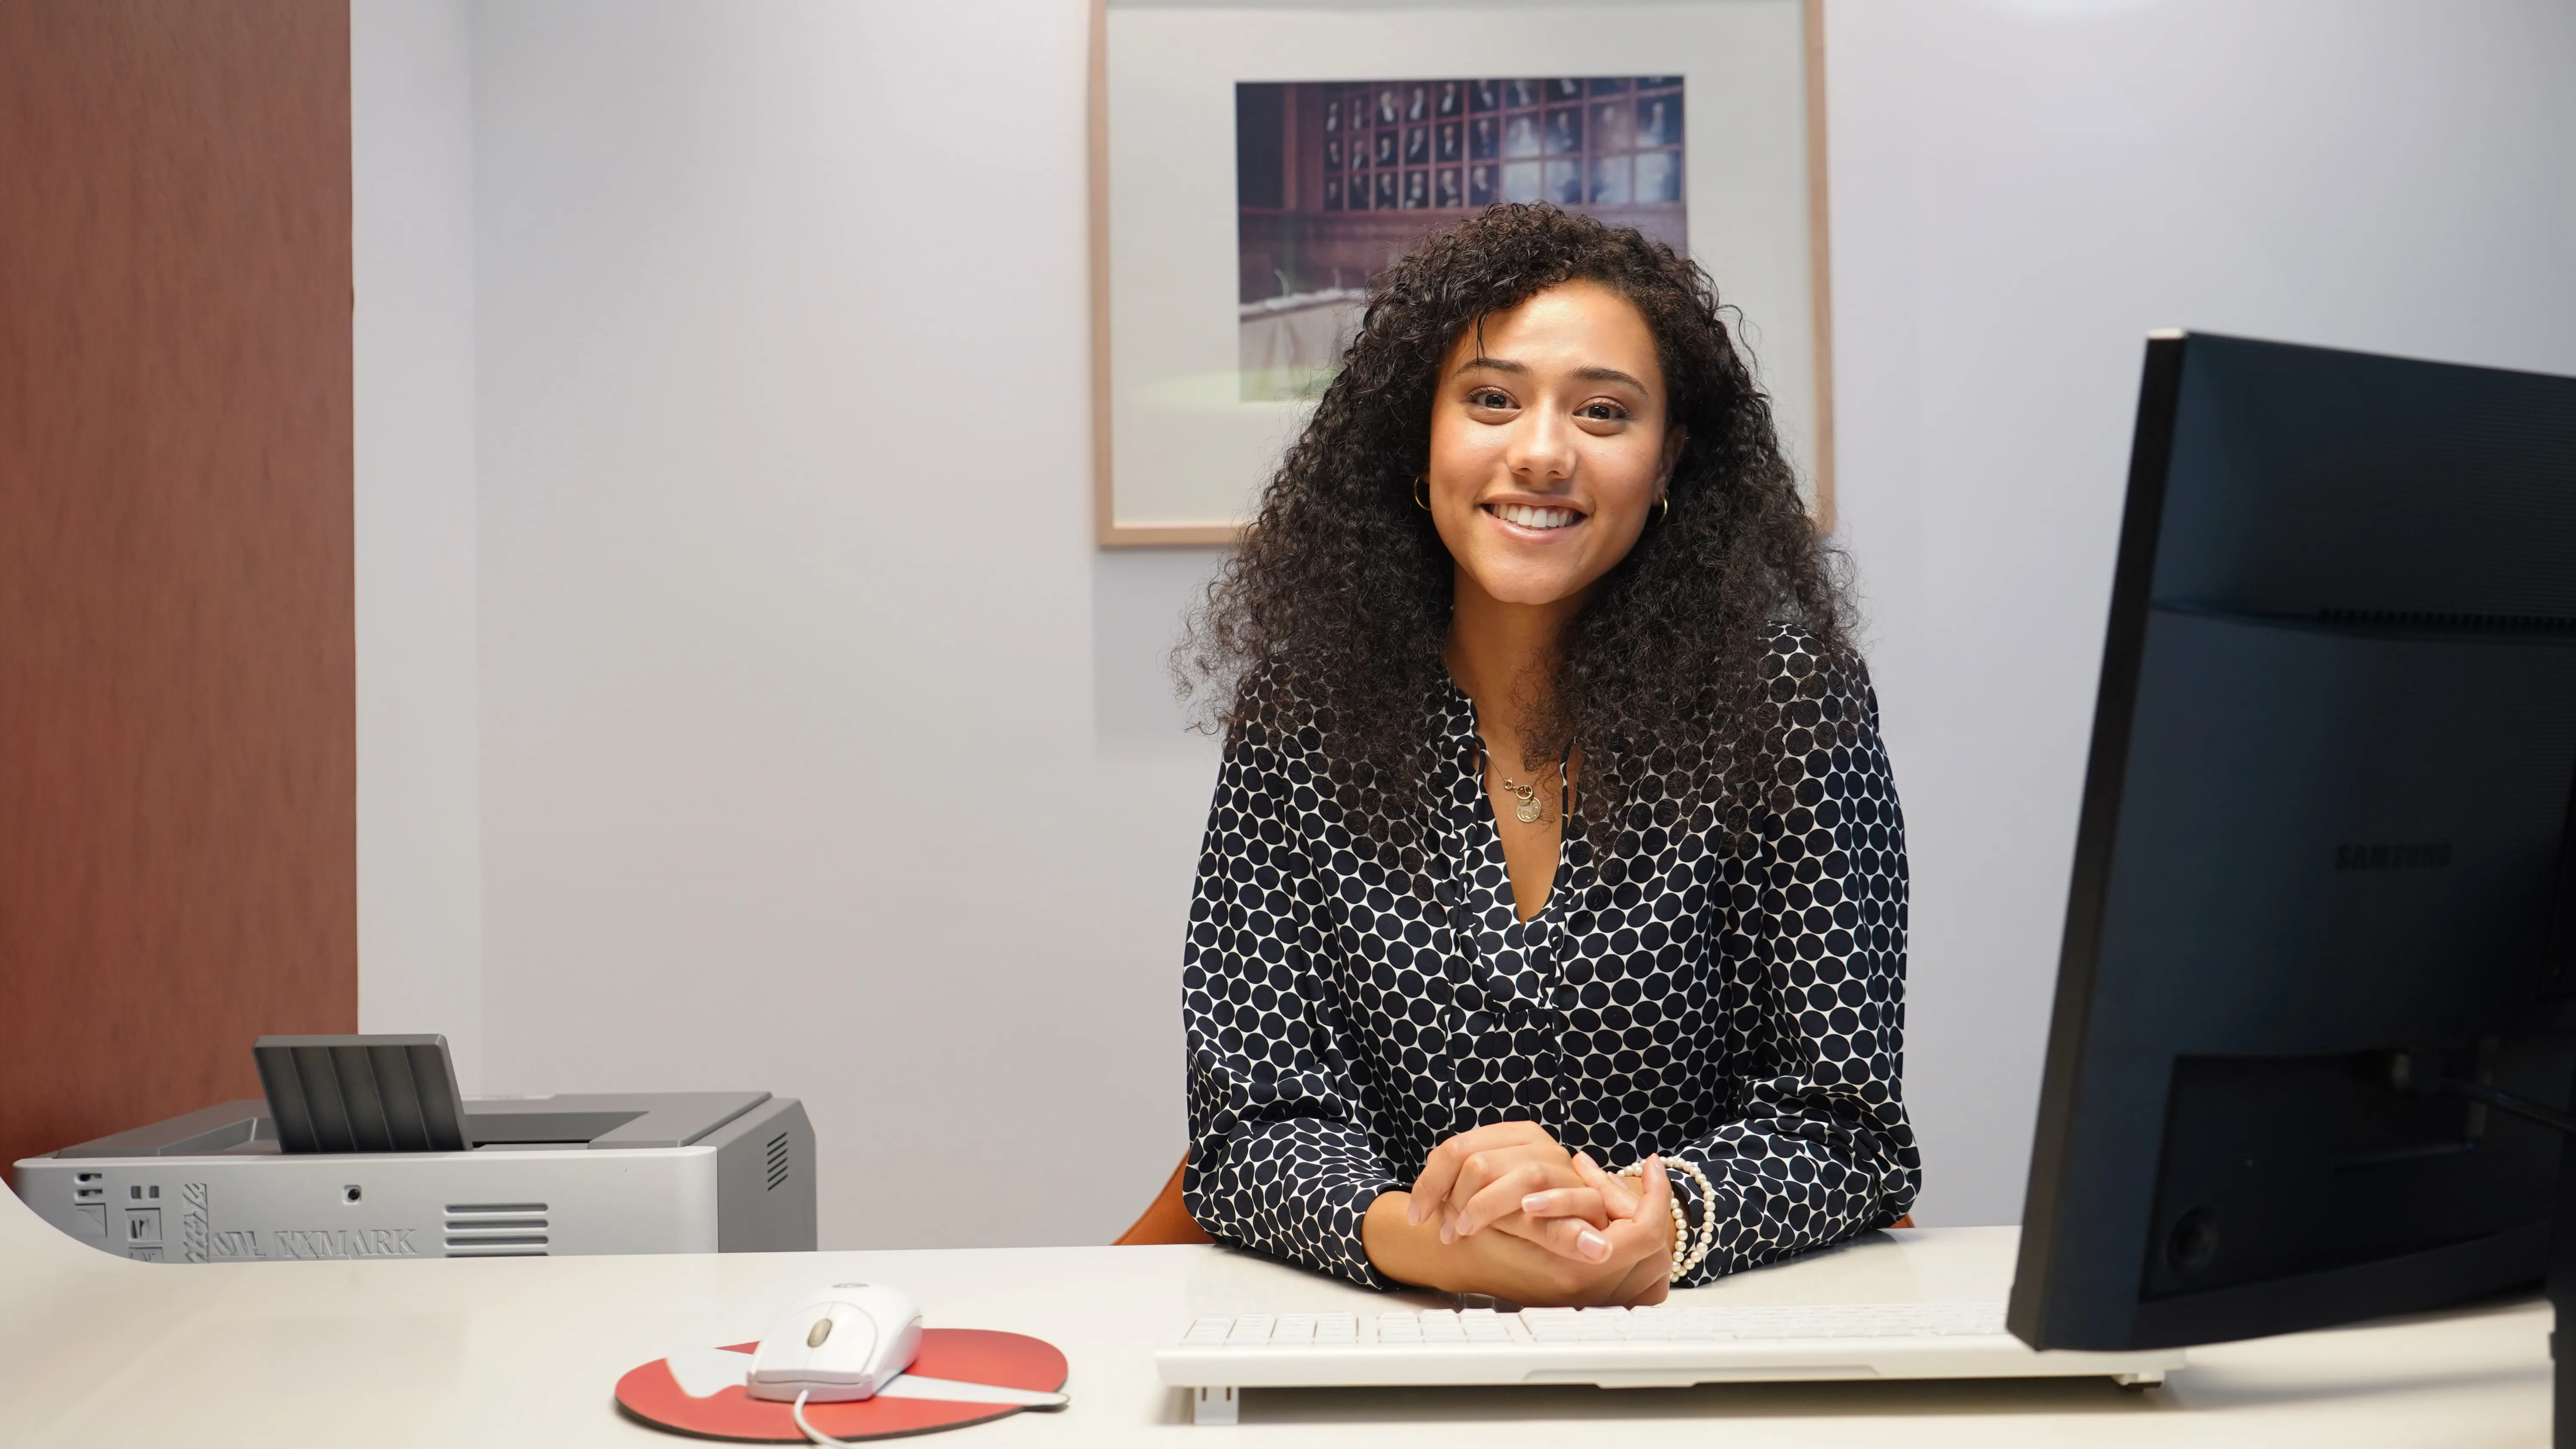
point(1543, 448)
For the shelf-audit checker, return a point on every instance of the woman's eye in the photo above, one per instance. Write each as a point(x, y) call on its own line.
point(1603, 412)
point(1488, 399)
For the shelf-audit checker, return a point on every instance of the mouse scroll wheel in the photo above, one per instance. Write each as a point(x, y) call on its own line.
point(822, 1330)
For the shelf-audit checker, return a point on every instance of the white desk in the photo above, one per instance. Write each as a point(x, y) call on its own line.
point(97, 1350)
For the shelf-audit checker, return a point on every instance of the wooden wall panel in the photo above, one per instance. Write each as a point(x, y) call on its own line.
point(178, 825)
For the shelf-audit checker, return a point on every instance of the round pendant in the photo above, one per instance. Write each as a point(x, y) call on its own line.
point(1528, 811)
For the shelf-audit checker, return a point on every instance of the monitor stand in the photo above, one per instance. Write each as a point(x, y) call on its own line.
point(2409, 1072)
point(2562, 1304)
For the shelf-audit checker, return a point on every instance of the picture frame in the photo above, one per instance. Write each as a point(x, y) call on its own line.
point(1186, 431)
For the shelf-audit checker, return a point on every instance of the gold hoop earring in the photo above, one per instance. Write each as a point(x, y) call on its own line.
point(1663, 508)
point(1422, 491)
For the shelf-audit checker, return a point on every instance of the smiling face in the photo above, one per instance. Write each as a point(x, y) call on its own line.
point(1550, 444)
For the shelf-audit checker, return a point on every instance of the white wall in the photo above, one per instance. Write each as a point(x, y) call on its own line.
point(822, 752)
point(2020, 191)
point(411, 134)
point(800, 772)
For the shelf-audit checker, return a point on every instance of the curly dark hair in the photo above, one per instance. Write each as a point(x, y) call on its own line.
point(1332, 613)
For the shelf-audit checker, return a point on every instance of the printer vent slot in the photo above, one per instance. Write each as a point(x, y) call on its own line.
point(496, 1230)
point(777, 1161)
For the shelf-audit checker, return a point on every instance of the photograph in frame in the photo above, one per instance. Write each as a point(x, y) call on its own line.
point(1232, 246)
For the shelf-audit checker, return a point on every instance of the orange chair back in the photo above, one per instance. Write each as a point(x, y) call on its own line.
point(1168, 1220)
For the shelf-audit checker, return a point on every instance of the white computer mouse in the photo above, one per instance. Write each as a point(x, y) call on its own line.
point(836, 1344)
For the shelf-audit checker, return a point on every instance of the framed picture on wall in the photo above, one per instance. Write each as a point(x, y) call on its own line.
point(1253, 168)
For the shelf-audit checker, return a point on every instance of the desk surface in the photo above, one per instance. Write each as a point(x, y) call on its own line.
point(525, 1350)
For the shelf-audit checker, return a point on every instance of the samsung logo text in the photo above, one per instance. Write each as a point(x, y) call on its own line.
point(2416, 855)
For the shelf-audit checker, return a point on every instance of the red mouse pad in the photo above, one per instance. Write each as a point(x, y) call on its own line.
point(655, 1395)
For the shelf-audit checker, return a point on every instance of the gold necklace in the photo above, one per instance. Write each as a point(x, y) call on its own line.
point(1529, 808)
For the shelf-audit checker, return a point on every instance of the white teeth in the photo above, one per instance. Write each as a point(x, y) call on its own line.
point(1528, 517)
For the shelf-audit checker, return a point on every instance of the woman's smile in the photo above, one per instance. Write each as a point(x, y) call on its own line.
point(1542, 521)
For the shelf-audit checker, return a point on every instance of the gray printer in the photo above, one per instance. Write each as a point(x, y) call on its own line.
point(364, 1150)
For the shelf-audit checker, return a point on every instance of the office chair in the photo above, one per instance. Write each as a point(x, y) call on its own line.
point(1166, 1220)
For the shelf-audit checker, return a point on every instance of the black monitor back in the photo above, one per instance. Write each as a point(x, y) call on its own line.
point(2327, 817)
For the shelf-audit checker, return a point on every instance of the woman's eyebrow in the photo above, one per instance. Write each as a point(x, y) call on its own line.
point(1609, 374)
point(1581, 374)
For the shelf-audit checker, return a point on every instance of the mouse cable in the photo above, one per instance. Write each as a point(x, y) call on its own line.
point(797, 1411)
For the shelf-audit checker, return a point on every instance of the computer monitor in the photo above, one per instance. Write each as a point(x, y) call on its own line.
point(2324, 891)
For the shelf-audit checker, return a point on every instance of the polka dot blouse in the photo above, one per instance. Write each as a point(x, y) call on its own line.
point(1740, 1008)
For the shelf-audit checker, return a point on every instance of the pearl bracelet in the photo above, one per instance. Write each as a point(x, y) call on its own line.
point(1689, 1250)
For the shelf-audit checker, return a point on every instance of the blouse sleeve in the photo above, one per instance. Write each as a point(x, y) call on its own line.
point(1813, 936)
point(1280, 1158)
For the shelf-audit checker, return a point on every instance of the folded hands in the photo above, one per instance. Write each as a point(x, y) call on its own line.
point(1506, 1210)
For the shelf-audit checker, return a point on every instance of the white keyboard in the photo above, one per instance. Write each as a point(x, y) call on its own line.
point(1671, 1345)
point(1596, 1325)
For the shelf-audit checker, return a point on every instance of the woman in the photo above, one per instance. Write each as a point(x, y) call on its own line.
point(1553, 834)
